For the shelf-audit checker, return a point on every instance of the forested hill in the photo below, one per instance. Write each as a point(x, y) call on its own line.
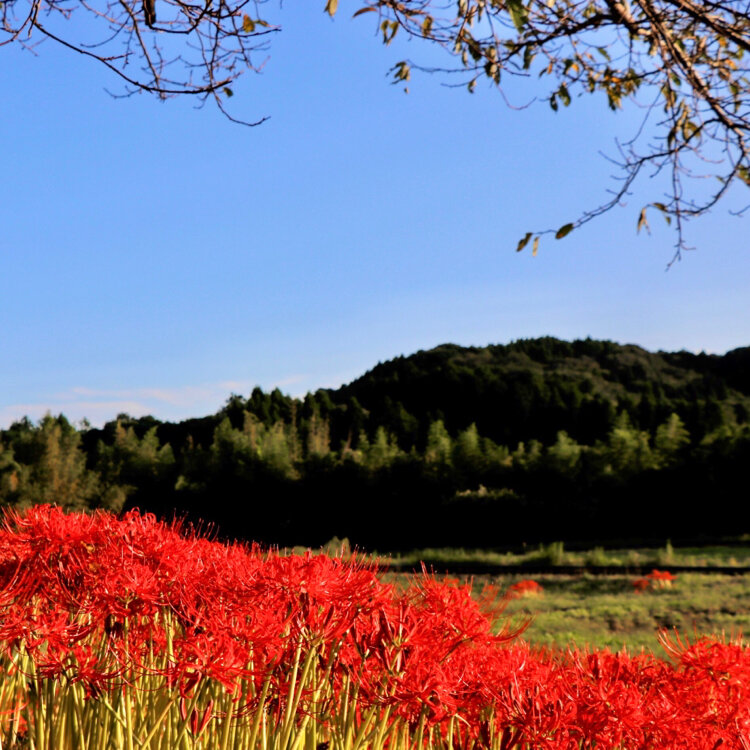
point(533, 388)
point(537, 440)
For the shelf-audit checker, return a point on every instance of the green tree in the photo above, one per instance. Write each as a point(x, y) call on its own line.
point(382, 451)
point(439, 444)
point(318, 436)
point(9, 475)
point(565, 455)
point(360, 453)
point(467, 451)
point(235, 450)
point(131, 463)
point(628, 450)
point(53, 466)
point(671, 438)
point(256, 443)
point(496, 455)
point(527, 456)
point(276, 449)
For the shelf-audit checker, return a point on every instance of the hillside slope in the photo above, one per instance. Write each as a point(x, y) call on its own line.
point(491, 446)
point(537, 387)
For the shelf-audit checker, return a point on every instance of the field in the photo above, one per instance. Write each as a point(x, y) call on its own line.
point(590, 609)
point(127, 633)
point(606, 611)
point(733, 554)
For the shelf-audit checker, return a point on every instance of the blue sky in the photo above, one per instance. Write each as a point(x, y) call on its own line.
point(157, 257)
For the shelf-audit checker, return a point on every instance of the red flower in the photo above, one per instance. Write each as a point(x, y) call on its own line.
point(525, 588)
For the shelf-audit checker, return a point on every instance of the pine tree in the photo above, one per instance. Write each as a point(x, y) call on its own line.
point(53, 467)
point(439, 444)
point(671, 438)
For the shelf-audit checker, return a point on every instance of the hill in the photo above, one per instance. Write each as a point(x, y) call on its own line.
point(532, 389)
point(491, 446)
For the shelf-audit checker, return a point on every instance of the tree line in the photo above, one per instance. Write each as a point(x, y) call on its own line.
point(558, 446)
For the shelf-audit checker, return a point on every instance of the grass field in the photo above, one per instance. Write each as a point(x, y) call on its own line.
point(606, 611)
point(735, 553)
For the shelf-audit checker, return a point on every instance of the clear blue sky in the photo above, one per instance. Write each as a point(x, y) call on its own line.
point(156, 258)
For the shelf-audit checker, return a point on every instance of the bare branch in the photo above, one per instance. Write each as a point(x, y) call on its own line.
point(684, 62)
point(142, 50)
point(684, 57)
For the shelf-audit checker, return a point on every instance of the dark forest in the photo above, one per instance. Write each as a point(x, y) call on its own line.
point(491, 447)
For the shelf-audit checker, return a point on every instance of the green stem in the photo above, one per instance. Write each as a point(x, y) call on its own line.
point(259, 711)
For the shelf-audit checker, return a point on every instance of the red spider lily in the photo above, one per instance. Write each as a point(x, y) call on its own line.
point(656, 579)
point(525, 588)
point(660, 579)
point(198, 721)
point(115, 603)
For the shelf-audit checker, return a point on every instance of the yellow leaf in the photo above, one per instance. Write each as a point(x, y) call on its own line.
point(535, 247)
point(331, 6)
point(248, 25)
point(642, 221)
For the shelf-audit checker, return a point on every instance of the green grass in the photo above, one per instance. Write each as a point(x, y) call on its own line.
point(735, 554)
point(605, 611)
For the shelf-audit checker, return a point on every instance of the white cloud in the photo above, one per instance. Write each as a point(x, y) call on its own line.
point(181, 396)
point(291, 380)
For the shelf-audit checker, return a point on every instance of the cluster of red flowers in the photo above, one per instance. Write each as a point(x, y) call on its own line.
point(525, 588)
point(656, 579)
point(102, 601)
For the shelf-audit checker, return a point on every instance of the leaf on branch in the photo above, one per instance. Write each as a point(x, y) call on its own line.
point(518, 14)
point(475, 49)
point(427, 26)
point(367, 9)
point(331, 6)
point(535, 247)
point(401, 71)
point(664, 210)
point(563, 231)
point(389, 29)
point(528, 57)
point(643, 221)
point(248, 25)
point(564, 95)
point(523, 242)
